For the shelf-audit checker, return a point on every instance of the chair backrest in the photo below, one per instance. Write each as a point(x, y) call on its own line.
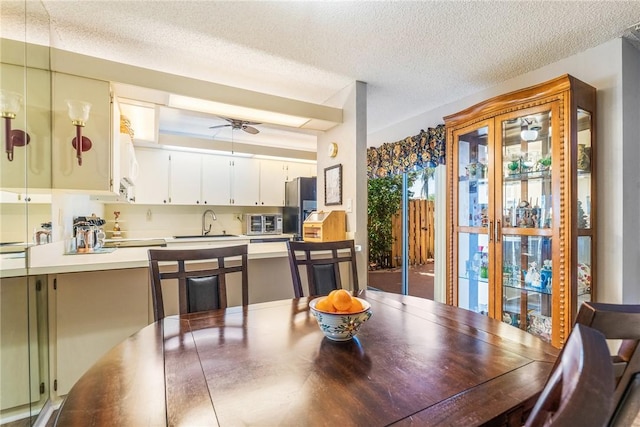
point(322, 261)
point(616, 322)
point(579, 391)
point(201, 275)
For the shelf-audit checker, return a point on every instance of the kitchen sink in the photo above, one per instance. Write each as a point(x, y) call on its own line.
point(196, 236)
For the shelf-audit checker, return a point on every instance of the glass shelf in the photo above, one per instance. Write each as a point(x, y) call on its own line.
point(546, 291)
point(523, 176)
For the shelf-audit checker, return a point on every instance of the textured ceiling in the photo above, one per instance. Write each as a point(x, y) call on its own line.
point(413, 56)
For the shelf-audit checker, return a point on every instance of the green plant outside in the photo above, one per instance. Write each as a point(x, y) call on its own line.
point(385, 199)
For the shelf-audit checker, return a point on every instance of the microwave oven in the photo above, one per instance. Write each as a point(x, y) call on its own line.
point(263, 224)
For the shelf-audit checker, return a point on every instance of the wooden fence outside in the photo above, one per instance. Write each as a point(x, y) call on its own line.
point(421, 233)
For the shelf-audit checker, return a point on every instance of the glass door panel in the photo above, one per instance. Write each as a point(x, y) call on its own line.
point(473, 272)
point(473, 188)
point(584, 269)
point(527, 283)
point(526, 160)
point(473, 249)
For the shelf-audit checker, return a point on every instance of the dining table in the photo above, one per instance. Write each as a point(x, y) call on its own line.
point(414, 362)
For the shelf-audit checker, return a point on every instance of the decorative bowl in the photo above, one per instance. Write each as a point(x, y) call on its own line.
point(340, 326)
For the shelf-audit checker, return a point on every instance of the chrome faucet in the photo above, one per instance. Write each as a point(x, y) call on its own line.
point(206, 231)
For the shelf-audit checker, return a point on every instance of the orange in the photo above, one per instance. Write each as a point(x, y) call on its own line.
point(342, 300)
point(325, 305)
point(356, 306)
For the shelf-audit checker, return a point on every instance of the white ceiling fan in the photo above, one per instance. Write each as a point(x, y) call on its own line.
point(239, 124)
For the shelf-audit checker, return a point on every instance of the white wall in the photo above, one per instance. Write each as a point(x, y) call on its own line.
point(631, 183)
point(352, 154)
point(602, 67)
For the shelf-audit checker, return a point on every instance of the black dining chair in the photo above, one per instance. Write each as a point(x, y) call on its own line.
point(579, 391)
point(619, 322)
point(322, 262)
point(201, 274)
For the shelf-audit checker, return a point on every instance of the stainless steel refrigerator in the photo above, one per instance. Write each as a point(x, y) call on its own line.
point(300, 201)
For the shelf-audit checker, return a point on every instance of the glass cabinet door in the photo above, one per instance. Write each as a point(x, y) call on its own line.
point(583, 208)
point(473, 191)
point(524, 217)
point(527, 283)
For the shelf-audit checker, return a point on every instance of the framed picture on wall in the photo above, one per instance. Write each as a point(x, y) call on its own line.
point(333, 185)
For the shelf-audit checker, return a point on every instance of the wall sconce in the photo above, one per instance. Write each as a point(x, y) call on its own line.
point(9, 106)
point(529, 129)
point(79, 114)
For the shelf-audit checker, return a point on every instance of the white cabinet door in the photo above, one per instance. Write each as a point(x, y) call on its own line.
point(216, 180)
point(152, 185)
point(246, 182)
point(95, 173)
point(272, 177)
point(294, 169)
point(185, 178)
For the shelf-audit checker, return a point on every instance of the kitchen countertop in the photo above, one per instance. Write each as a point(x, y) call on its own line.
point(51, 259)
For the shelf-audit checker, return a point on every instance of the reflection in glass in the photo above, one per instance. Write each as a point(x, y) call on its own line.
point(473, 272)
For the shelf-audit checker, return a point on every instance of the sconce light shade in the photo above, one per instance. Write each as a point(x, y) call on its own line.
point(10, 103)
point(79, 115)
point(78, 111)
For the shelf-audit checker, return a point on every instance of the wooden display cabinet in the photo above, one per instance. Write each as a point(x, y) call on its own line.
point(522, 206)
point(324, 226)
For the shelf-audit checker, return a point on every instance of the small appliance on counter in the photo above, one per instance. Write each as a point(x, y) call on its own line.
point(88, 233)
point(258, 224)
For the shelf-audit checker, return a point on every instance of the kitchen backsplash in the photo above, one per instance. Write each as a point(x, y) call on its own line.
point(146, 221)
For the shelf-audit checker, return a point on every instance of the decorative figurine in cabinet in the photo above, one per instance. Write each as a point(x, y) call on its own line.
point(530, 213)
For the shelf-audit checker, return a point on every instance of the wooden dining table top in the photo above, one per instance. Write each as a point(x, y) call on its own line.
point(415, 362)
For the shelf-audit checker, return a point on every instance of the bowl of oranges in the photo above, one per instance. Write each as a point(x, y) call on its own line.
point(340, 315)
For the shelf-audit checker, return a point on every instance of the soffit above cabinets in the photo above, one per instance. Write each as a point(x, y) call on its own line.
point(154, 122)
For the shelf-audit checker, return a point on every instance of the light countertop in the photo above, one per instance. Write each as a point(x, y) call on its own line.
point(51, 259)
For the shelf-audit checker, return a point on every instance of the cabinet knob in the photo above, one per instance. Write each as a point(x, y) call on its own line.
point(164, 201)
point(197, 202)
point(205, 202)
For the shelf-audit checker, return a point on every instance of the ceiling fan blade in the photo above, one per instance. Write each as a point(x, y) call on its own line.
point(250, 129)
point(219, 126)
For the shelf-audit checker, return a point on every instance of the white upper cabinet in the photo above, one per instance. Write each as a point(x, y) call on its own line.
point(245, 183)
point(152, 185)
point(216, 180)
point(295, 169)
point(184, 178)
point(272, 177)
point(95, 173)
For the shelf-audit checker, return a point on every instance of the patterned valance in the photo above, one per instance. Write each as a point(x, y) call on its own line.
point(427, 149)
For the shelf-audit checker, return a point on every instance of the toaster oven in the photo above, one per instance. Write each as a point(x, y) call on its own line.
point(258, 224)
